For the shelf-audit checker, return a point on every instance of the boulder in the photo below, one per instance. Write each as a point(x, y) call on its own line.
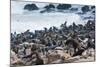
point(92, 7)
point(50, 6)
point(85, 9)
point(30, 7)
point(64, 6)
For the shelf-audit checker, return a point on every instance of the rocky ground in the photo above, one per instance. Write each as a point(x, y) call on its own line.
point(69, 44)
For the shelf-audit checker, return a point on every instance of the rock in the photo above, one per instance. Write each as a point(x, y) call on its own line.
point(72, 59)
point(52, 57)
point(14, 59)
point(85, 9)
point(64, 6)
point(74, 9)
point(89, 53)
point(89, 59)
point(62, 53)
point(28, 51)
point(84, 54)
point(58, 48)
point(92, 7)
point(50, 6)
point(57, 61)
point(93, 11)
point(30, 7)
point(65, 56)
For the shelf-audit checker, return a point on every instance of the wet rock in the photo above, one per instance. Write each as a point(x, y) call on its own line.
point(93, 11)
point(30, 7)
point(50, 6)
point(63, 6)
point(92, 7)
point(74, 9)
point(85, 9)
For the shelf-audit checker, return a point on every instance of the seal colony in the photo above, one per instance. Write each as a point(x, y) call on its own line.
point(54, 45)
point(49, 46)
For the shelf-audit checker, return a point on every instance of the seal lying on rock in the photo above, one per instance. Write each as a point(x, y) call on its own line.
point(57, 56)
point(33, 58)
